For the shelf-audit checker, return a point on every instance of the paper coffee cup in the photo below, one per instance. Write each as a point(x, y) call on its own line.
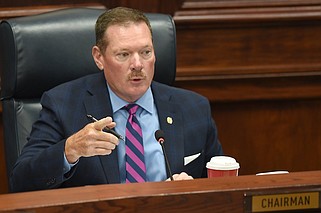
point(222, 166)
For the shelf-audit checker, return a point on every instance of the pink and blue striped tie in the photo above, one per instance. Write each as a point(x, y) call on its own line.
point(135, 163)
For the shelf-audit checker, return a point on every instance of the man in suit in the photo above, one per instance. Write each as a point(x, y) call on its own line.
point(66, 149)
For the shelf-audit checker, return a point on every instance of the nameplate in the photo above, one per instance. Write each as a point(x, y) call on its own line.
point(283, 202)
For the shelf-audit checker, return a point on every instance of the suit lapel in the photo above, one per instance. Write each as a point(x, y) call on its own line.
point(170, 120)
point(98, 105)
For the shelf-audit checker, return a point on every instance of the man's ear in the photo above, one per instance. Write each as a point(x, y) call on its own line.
point(98, 57)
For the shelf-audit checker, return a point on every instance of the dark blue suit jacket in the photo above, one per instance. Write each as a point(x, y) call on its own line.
point(40, 165)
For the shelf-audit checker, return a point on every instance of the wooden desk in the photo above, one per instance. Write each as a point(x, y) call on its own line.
point(201, 195)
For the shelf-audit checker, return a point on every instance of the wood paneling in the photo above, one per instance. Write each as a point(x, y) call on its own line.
point(266, 123)
point(259, 64)
point(29, 7)
point(271, 135)
point(274, 42)
point(11, 12)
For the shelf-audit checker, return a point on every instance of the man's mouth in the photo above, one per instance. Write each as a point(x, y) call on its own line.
point(136, 79)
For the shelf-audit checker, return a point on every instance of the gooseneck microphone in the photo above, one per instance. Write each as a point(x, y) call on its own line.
point(159, 135)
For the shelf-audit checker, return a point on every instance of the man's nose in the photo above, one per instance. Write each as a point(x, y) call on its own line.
point(136, 63)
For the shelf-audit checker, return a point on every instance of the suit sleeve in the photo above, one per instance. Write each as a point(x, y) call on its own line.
point(213, 146)
point(41, 163)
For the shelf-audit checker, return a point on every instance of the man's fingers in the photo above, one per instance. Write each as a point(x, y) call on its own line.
point(91, 140)
point(182, 176)
point(104, 122)
point(105, 145)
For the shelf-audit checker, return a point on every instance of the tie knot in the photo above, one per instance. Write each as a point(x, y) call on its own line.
point(131, 108)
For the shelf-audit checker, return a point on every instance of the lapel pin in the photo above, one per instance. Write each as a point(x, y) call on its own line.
point(169, 120)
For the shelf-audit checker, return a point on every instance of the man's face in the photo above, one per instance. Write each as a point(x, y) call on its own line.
point(128, 61)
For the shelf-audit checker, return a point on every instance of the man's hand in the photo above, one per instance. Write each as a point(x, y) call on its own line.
point(181, 176)
point(91, 141)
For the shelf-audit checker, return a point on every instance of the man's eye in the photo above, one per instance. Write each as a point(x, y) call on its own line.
point(122, 56)
point(146, 53)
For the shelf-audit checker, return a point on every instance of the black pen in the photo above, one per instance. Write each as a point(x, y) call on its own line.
point(107, 129)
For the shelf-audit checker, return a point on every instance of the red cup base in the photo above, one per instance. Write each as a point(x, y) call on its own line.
point(221, 173)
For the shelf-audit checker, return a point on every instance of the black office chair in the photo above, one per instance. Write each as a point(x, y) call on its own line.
point(41, 51)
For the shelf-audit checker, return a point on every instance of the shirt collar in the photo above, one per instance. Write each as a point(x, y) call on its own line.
point(146, 101)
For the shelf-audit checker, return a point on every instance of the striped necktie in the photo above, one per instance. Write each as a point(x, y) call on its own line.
point(135, 163)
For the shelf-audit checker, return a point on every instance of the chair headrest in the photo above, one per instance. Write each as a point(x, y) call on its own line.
point(41, 51)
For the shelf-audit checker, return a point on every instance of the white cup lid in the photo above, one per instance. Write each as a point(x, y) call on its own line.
point(223, 163)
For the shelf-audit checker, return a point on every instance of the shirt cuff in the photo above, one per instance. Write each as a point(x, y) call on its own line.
point(67, 165)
